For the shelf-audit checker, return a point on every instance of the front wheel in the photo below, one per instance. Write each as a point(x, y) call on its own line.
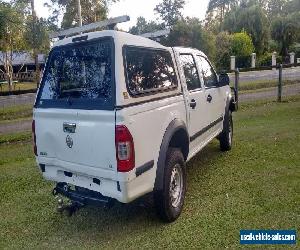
point(169, 201)
point(227, 133)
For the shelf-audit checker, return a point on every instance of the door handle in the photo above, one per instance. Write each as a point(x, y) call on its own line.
point(69, 127)
point(193, 104)
point(209, 98)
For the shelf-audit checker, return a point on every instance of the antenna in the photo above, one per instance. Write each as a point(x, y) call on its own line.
point(110, 23)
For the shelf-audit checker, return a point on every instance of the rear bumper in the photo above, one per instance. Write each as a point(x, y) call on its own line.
point(123, 187)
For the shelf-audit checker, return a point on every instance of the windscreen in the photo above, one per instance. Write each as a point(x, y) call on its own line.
point(79, 76)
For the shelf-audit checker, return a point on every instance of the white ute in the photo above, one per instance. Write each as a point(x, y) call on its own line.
point(117, 116)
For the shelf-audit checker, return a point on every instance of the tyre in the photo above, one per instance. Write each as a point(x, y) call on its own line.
point(169, 201)
point(227, 133)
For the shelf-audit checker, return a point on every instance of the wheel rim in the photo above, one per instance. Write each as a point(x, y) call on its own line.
point(176, 185)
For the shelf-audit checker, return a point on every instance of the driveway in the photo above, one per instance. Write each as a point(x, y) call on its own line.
point(6, 101)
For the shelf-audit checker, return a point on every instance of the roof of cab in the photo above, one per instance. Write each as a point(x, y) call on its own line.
point(119, 37)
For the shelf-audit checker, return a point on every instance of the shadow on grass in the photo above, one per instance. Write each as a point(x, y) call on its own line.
point(140, 213)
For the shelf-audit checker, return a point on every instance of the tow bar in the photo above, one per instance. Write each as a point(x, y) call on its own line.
point(79, 198)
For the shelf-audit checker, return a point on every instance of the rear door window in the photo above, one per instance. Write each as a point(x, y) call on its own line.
point(79, 76)
point(190, 71)
point(149, 70)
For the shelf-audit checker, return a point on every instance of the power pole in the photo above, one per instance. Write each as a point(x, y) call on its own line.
point(79, 13)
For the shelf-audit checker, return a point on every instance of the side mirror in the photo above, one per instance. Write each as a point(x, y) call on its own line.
point(224, 79)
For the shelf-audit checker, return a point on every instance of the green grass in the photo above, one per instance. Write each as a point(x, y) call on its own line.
point(262, 84)
point(15, 113)
point(254, 186)
point(15, 137)
point(18, 86)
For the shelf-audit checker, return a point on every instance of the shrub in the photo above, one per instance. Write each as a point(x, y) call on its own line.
point(241, 45)
point(265, 60)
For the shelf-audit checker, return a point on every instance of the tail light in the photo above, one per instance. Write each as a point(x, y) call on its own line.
point(34, 138)
point(124, 149)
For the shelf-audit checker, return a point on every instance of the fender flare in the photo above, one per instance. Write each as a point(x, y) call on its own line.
point(172, 128)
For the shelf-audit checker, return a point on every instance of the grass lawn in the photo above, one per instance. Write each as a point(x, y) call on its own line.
point(15, 113)
point(254, 186)
point(18, 86)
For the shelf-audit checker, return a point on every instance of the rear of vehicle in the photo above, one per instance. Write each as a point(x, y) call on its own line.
point(76, 138)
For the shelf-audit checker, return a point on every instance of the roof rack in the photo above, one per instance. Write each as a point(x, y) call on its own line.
point(109, 23)
point(156, 34)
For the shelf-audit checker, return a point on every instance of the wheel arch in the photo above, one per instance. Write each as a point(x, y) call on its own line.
point(176, 135)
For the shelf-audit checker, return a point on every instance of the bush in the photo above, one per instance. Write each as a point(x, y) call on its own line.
point(243, 61)
point(296, 48)
point(241, 45)
point(265, 60)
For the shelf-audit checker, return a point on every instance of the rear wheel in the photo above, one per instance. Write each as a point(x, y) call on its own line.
point(169, 201)
point(227, 133)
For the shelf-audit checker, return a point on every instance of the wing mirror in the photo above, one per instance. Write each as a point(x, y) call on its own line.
point(224, 79)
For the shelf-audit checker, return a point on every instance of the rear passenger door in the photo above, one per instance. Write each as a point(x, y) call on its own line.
point(214, 95)
point(198, 119)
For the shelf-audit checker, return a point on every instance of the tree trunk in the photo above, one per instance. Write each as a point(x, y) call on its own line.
point(8, 73)
point(35, 50)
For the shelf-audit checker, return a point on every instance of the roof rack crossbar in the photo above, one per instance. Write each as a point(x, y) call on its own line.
point(156, 34)
point(110, 23)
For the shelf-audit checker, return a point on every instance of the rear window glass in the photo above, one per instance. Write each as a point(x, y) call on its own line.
point(79, 76)
point(149, 70)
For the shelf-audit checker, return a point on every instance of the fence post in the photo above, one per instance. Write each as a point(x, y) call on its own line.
point(232, 63)
point(292, 58)
point(236, 85)
point(274, 60)
point(253, 60)
point(279, 84)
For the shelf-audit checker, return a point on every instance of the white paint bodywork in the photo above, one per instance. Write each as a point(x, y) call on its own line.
point(93, 154)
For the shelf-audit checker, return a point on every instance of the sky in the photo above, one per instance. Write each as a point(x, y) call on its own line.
point(136, 8)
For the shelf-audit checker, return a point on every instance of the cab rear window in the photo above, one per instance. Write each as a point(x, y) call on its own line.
point(79, 76)
point(148, 70)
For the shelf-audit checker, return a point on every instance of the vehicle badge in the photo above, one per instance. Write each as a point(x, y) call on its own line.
point(69, 141)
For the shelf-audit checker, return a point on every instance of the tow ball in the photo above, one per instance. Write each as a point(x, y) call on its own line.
point(69, 207)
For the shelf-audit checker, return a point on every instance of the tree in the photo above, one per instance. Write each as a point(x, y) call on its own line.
point(223, 50)
point(189, 32)
point(170, 11)
point(11, 38)
point(221, 7)
point(275, 7)
point(36, 35)
point(91, 10)
point(286, 31)
point(142, 26)
point(292, 6)
point(252, 19)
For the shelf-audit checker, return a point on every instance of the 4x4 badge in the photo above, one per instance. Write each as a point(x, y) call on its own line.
point(69, 141)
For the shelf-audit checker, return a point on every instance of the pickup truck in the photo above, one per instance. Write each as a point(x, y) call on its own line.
point(117, 117)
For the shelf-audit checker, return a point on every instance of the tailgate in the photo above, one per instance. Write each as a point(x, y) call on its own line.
point(85, 137)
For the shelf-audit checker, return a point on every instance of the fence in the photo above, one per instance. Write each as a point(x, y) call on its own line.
point(21, 77)
point(267, 82)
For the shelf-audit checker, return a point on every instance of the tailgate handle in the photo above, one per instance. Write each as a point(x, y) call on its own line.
point(69, 127)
